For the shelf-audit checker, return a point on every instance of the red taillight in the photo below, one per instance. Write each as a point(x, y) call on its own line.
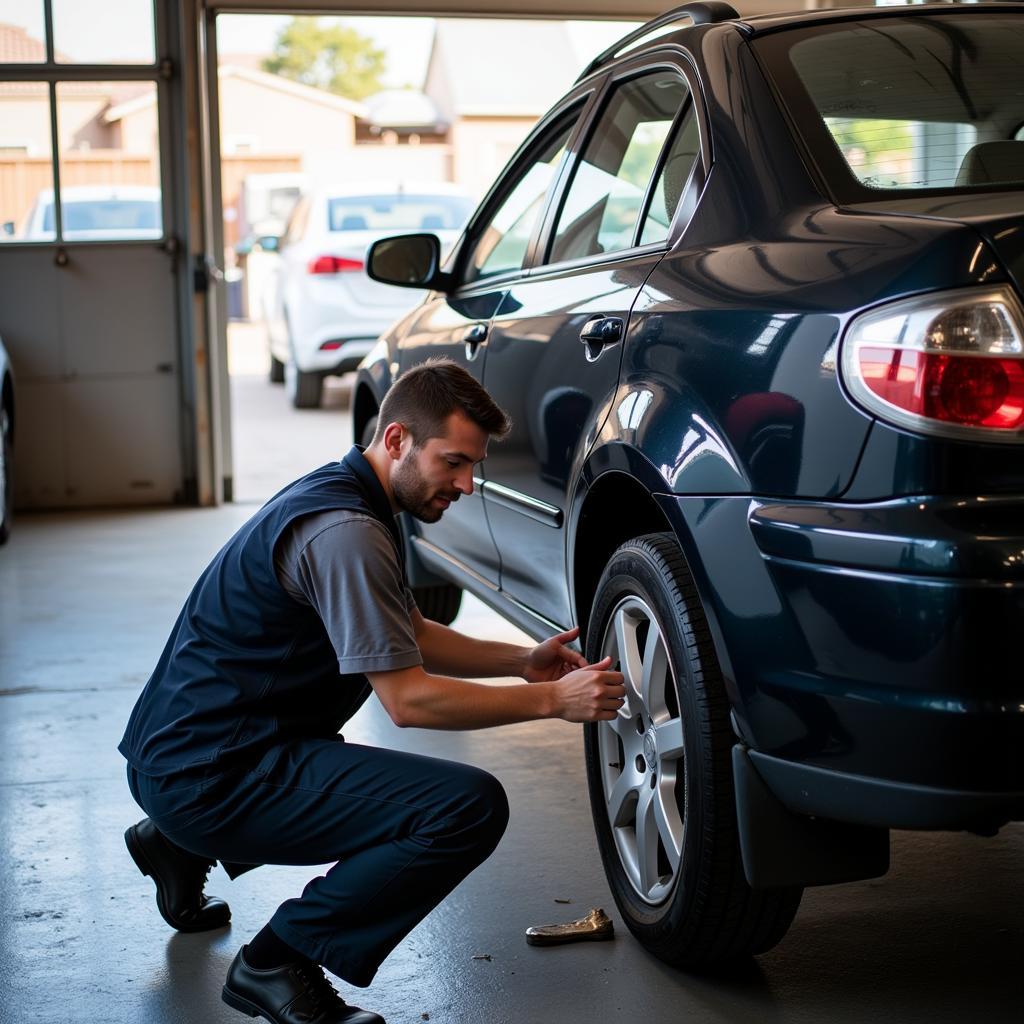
point(948, 363)
point(970, 390)
point(334, 265)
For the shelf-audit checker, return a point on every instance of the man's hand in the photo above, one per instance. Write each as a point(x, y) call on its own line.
point(552, 660)
point(590, 694)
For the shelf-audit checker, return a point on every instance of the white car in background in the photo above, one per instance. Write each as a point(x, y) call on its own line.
point(322, 312)
point(6, 444)
point(97, 213)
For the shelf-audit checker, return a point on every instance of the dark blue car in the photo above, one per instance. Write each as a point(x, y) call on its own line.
point(751, 293)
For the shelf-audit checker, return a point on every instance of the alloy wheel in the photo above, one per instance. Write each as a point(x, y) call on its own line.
point(643, 762)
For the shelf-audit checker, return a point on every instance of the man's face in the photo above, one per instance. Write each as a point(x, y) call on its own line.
point(426, 480)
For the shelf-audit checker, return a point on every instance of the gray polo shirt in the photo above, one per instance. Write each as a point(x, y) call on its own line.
point(346, 567)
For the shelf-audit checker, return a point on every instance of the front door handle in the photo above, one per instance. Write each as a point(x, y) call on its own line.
point(599, 332)
point(474, 337)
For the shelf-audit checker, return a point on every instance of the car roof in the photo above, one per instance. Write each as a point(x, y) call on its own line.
point(707, 15)
point(763, 23)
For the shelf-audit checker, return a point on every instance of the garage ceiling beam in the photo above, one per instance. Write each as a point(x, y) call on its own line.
point(638, 10)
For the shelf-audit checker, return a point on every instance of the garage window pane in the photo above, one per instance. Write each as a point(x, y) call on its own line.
point(109, 166)
point(26, 164)
point(22, 32)
point(103, 31)
point(607, 192)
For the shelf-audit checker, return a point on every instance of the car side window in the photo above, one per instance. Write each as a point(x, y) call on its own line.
point(683, 153)
point(502, 245)
point(605, 198)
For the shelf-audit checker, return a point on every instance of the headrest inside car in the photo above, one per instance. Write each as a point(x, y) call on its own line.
point(992, 162)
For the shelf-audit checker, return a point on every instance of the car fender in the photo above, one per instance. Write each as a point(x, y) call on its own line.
point(373, 378)
point(620, 471)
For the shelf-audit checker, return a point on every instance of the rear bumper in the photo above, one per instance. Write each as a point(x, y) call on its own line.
point(872, 652)
point(342, 359)
point(861, 800)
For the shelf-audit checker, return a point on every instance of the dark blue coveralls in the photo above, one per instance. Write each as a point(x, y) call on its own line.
point(234, 753)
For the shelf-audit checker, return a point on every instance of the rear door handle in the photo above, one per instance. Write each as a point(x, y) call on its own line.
point(599, 332)
point(474, 337)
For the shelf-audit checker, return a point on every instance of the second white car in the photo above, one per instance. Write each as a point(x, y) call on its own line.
point(323, 313)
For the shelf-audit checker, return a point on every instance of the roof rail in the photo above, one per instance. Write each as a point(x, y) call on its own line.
point(703, 13)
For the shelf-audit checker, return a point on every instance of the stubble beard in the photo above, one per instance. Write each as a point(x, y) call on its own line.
point(412, 493)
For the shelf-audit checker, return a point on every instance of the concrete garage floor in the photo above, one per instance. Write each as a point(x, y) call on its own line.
point(86, 600)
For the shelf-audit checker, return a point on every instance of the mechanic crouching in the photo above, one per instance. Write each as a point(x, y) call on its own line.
point(233, 748)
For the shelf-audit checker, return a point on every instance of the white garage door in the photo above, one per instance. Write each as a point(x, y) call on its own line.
point(89, 297)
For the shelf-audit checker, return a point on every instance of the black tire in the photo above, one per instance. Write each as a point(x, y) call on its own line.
point(305, 389)
point(369, 430)
point(276, 370)
point(440, 603)
point(707, 915)
point(6, 476)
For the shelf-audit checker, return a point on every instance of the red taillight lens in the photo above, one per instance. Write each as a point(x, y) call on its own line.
point(971, 390)
point(949, 363)
point(334, 265)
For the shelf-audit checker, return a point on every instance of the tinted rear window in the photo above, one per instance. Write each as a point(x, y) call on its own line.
point(107, 215)
point(928, 102)
point(398, 213)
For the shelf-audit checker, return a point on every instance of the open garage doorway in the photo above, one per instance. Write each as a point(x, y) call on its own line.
point(334, 131)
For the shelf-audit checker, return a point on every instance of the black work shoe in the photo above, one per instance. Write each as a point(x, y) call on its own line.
point(293, 994)
point(179, 876)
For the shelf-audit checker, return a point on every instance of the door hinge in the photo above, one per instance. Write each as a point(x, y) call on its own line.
point(166, 69)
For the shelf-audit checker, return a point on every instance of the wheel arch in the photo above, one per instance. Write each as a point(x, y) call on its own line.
point(364, 408)
point(373, 378)
point(618, 477)
point(615, 477)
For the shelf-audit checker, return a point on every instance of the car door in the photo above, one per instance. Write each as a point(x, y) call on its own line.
point(555, 345)
point(455, 326)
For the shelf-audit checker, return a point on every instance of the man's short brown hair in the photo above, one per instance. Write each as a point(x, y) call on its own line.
point(425, 396)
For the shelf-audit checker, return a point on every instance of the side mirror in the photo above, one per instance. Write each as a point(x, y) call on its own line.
point(409, 261)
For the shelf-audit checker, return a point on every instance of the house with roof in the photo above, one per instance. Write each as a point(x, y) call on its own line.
point(25, 106)
point(259, 113)
point(489, 94)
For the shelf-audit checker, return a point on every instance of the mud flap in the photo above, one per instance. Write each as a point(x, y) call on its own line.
point(781, 848)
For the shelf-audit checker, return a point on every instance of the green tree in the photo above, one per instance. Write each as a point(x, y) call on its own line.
point(328, 56)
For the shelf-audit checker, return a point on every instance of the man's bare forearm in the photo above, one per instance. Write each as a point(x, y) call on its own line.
point(447, 652)
point(440, 702)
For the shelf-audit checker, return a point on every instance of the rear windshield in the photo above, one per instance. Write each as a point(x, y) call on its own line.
point(107, 215)
point(398, 213)
point(898, 104)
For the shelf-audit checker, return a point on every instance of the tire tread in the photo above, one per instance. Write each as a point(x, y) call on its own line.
point(727, 920)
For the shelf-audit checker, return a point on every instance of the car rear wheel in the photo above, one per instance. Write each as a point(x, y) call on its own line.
point(6, 475)
point(276, 370)
point(304, 389)
point(439, 603)
point(660, 773)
